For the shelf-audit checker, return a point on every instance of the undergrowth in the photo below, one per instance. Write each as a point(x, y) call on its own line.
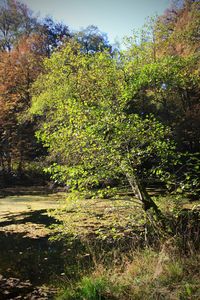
point(167, 268)
point(145, 274)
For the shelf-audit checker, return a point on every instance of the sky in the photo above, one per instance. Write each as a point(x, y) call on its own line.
point(117, 18)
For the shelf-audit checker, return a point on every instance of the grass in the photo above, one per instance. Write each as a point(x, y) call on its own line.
point(115, 217)
point(146, 272)
point(100, 218)
point(116, 272)
point(144, 275)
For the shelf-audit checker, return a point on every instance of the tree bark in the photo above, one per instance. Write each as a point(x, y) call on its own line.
point(141, 193)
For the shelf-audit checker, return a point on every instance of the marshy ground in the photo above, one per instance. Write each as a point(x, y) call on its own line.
point(34, 267)
point(29, 263)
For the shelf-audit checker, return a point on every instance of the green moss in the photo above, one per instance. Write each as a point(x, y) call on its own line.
point(102, 218)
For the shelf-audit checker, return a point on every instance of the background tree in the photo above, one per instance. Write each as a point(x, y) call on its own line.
point(167, 84)
point(16, 20)
point(54, 34)
point(18, 69)
point(177, 30)
point(92, 40)
point(169, 88)
point(24, 42)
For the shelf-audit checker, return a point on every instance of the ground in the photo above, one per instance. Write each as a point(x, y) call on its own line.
point(31, 265)
point(27, 259)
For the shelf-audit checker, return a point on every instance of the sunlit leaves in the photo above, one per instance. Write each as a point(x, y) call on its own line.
point(85, 125)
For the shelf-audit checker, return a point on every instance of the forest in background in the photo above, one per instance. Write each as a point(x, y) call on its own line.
point(159, 73)
point(157, 76)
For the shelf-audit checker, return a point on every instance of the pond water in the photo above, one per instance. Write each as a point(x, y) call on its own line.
point(29, 262)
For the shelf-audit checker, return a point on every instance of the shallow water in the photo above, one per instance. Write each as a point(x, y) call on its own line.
point(22, 201)
point(26, 254)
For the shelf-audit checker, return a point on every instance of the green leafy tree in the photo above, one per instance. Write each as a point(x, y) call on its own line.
point(90, 136)
point(168, 87)
point(161, 67)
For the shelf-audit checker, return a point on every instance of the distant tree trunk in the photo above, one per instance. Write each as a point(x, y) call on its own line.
point(19, 169)
point(2, 163)
point(9, 164)
point(20, 163)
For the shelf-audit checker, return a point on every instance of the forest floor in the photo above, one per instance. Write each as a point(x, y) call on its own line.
point(31, 265)
point(131, 256)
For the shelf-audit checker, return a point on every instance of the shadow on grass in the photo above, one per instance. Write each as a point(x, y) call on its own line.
point(29, 258)
point(36, 260)
point(36, 217)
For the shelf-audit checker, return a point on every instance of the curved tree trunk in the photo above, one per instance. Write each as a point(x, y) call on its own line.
point(141, 193)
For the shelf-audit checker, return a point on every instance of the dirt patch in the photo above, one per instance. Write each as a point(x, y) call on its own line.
point(14, 288)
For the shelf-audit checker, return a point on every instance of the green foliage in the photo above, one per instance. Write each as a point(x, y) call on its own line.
point(190, 179)
point(164, 86)
point(90, 289)
point(186, 174)
point(85, 125)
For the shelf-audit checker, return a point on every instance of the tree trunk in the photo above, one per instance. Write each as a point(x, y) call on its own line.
point(140, 192)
